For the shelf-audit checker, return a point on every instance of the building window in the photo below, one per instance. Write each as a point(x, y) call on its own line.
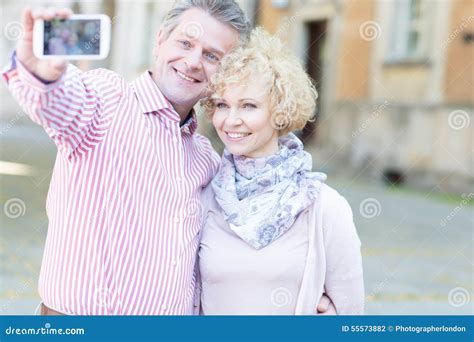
point(410, 25)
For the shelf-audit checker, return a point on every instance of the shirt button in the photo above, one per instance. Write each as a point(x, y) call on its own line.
point(179, 179)
point(164, 307)
point(175, 140)
point(173, 262)
point(176, 219)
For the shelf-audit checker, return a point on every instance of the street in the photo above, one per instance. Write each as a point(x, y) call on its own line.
point(417, 247)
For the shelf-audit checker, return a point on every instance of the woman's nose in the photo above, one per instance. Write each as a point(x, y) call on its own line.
point(234, 117)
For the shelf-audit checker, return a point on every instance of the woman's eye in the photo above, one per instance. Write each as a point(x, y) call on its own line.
point(221, 105)
point(249, 106)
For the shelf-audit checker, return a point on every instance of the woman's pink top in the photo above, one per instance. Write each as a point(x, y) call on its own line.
point(320, 253)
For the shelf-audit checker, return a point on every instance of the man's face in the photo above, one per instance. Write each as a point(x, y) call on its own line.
point(187, 58)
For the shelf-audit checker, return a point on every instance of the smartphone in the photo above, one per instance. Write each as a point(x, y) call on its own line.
point(81, 36)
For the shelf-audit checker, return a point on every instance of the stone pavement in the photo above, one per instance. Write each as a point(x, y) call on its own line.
point(417, 247)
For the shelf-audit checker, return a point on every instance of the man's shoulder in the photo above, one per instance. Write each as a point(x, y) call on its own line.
point(201, 139)
point(103, 72)
point(106, 77)
point(205, 147)
point(203, 143)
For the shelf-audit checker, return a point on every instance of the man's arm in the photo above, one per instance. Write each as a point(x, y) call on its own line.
point(74, 107)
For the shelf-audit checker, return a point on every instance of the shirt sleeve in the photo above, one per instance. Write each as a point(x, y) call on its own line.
point(344, 275)
point(75, 111)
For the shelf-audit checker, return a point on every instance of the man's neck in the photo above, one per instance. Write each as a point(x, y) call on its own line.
point(183, 112)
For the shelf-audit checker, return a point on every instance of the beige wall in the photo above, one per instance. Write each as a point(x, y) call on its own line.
point(269, 17)
point(459, 67)
point(354, 52)
point(405, 83)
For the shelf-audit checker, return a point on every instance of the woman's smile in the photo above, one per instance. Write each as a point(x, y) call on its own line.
point(236, 136)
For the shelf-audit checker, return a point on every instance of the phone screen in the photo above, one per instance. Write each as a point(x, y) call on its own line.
point(72, 37)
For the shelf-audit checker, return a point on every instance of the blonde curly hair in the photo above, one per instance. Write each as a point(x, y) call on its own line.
point(292, 93)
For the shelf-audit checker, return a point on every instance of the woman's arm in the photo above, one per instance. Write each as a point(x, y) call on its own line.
point(344, 282)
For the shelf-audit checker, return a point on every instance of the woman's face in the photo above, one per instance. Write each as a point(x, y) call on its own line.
point(242, 120)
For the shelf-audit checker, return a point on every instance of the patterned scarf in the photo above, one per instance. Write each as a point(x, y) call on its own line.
point(261, 198)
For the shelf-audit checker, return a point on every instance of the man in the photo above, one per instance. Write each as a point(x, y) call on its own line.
point(123, 230)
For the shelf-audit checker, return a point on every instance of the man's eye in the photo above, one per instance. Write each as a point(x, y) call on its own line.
point(185, 44)
point(212, 57)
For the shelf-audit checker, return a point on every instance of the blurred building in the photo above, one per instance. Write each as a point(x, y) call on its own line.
point(395, 78)
point(396, 85)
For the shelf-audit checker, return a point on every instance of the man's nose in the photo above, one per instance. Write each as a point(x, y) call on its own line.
point(193, 60)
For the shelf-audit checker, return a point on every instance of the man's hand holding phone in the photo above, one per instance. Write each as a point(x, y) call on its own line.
point(46, 69)
point(53, 36)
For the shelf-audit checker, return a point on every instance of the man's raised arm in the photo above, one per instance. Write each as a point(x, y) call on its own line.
point(74, 107)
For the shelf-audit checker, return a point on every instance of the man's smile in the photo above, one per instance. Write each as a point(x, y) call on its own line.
point(185, 77)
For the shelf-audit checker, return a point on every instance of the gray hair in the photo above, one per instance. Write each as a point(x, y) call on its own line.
point(226, 11)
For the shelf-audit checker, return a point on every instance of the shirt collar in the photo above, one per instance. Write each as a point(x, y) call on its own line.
point(191, 123)
point(152, 101)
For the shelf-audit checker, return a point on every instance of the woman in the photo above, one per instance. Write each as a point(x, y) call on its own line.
point(275, 237)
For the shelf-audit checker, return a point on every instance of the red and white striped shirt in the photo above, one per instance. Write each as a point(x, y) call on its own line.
point(123, 203)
